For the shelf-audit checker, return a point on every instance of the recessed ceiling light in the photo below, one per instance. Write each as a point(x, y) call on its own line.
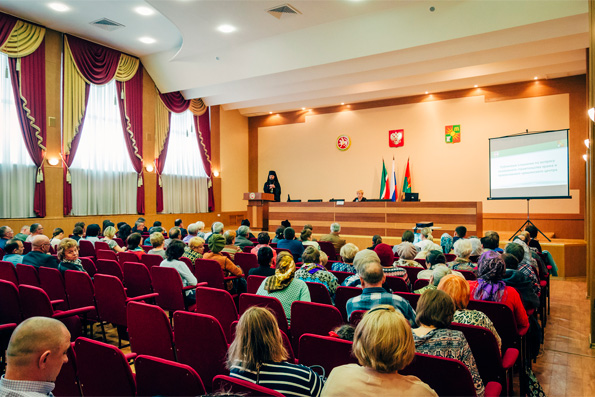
point(535, 78)
point(475, 86)
point(147, 40)
point(59, 7)
point(226, 28)
point(342, 103)
point(144, 11)
point(303, 108)
point(426, 92)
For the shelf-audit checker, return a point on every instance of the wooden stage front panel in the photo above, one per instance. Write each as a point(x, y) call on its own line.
point(383, 218)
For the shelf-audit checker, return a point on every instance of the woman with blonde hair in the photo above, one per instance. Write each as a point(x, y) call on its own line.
point(230, 247)
point(383, 345)
point(108, 237)
point(463, 249)
point(68, 255)
point(257, 355)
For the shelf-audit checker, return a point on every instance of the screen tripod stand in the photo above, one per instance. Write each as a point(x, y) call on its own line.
point(527, 223)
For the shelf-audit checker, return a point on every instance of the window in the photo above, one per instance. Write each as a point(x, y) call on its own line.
point(185, 183)
point(17, 170)
point(103, 179)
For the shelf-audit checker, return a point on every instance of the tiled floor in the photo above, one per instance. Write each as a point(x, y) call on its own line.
point(567, 367)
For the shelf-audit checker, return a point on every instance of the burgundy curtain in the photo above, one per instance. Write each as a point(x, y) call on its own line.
point(31, 86)
point(97, 64)
point(7, 23)
point(159, 166)
point(175, 102)
point(131, 111)
point(202, 125)
point(69, 158)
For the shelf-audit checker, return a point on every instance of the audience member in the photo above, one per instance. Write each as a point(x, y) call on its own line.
point(192, 232)
point(446, 242)
point(463, 250)
point(36, 229)
point(156, 224)
point(156, 229)
point(387, 260)
point(435, 311)
point(230, 248)
point(6, 234)
point(526, 265)
point(517, 280)
point(174, 234)
point(216, 228)
point(489, 286)
point(68, 255)
point(39, 255)
point(286, 223)
point(108, 237)
point(289, 242)
point(172, 259)
point(460, 232)
point(246, 222)
point(133, 244)
point(426, 239)
point(263, 241)
point(124, 231)
point(344, 332)
point(265, 263)
point(476, 248)
point(93, 233)
point(82, 225)
point(348, 252)
point(139, 226)
point(383, 345)
point(180, 224)
point(427, 246)
point(434, 258)
point(334, 237)
point(77, 233)
point(279, 235)
point(35, 355)
point(57, 236)
point(242, 237)
point(323, 258)
point(195, 249)
point(372, 277)
point(106, 223)
point(406, 252)
point(312, 271)
point(13, 250)
point(438, 272)
point(24, 233)
point(306, 238)
point(376, 239)
point(532, 230)
point(157, 241)
point(216, 244)
point(491, 241)
point(257, 355)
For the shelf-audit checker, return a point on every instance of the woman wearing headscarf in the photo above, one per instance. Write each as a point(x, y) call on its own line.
point(272, 185)
point(446, 242)
point(284, 286)
point(489, 286)
point(463, 249)
point(406, 252)
point(313, 271)
point(216, 244)
point(387, 260)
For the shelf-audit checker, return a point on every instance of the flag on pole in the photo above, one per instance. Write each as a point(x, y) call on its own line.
point(407, 180)
point(384, 183)
point(393, 183)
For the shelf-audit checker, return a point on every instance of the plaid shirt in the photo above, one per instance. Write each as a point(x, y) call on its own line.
point(527, 270)
point(25, 388)
point(343, 267)
point(372, 297)
point(190, 254)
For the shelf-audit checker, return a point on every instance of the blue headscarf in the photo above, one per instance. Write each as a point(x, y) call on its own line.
point(446, 243)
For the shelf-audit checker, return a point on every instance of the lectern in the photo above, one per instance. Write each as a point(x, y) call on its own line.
point(258, 209)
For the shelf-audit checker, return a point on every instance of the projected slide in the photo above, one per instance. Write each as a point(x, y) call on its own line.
point(529, 166)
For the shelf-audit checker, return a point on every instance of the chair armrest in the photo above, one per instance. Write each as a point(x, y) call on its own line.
point(189, 287)
point(7, 326)
point(509, 358)
point(56, 302)
point(142, 297)
point(232, 277)
point(202, 284)
point(130, 356)
point(73, 312)
point(523, 331)
point(493, 389)
point(531, 311)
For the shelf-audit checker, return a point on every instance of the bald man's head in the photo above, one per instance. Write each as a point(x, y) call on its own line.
point(40, 243)
point(37, 350)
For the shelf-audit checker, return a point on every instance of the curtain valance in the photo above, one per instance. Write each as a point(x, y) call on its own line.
point(23, 40)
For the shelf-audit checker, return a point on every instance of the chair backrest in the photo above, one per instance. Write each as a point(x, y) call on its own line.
point(247, 248)
point(219, 304)
point(312, 318)
point(205, 351)
point(27, 247)
point(106, 254)
point(450, 257)
point(410, 297)
point(10, 309)
point(342, 295)
point(110, 267)
point(272, 303)
point(27, 275)
point(2, 253)
point(151, 260)
point(8, 272)
point(150, 331)
point(412, 272)
point(254, 283)
point(468, 274)
point(246, 261)
point(120, 242)
point(319, 293)
point(168, 284)
point(208, 270)
point(34, 302)
point(242, 387)
point(397, 284)
point(446, 376)
point(146, 248)
point(341, 276)
point(127, 257)
point(67, 382)
point(101, 245)
point(356, 317)
point(89, 266)
point(474, 258)
point(325, 351)
point(52, 282)
point(137, 279)
point(502, 318)
point(158, 377)
point(328, 249)
point(420, 283)
point(111, 299)
point(86, 248)
point(421, 262)
point(103, 369)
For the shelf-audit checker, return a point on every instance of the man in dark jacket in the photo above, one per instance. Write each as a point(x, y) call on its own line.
point(520, 282)
point(39, 255)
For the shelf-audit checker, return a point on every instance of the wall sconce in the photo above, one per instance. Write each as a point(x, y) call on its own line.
point(149, 167)
point(587, 143)
point(215, 173)
point(585, 157)
point(591, 113)
point(53, 161)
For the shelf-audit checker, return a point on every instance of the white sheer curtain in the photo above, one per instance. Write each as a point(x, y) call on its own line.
point(17, 171)
point(103, 179)
point(185, 183)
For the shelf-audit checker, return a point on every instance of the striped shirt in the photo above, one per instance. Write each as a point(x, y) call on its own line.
point(288, 379)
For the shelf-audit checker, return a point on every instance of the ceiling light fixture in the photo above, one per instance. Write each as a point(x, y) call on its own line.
point(149, 168)
point(59, 7)
point(475, 86)
point(342, 103)
point(147, 40)
point(226, 28)
point(591, 113)
point(426, 92)
point(215, 173)
point(535, 78)
point(303, 108)
point(53, 161)
point(145, 11)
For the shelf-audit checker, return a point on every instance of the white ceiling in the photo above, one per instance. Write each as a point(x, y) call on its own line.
point(335, 50)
